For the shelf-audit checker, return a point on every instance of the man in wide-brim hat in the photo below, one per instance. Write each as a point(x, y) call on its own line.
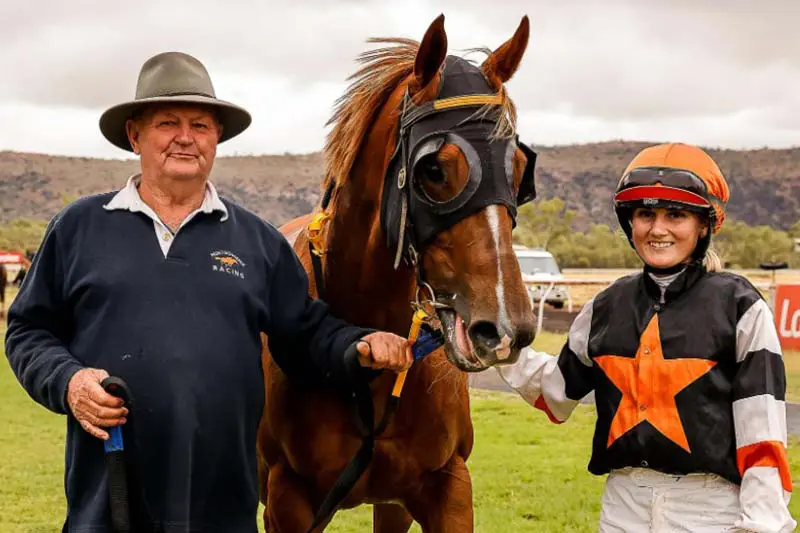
point(174, 124)
point(168, 287)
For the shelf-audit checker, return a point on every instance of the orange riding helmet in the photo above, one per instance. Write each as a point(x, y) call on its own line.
point(673, 176)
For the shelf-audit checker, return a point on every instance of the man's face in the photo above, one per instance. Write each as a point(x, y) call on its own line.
point(178, 142)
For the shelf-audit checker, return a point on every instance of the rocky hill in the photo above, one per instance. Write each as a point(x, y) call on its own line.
point(765, 183)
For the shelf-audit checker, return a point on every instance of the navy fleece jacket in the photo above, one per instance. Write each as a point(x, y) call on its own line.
point(183, 332)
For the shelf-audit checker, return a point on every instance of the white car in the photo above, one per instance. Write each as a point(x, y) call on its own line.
point(540, 269)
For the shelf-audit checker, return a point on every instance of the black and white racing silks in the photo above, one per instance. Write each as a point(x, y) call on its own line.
point(688, 381)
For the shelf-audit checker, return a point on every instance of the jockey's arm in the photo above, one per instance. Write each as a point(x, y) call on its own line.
point(759, 417)
point(555, 384)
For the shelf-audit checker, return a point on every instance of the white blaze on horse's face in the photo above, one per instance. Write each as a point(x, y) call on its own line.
point(503, 322)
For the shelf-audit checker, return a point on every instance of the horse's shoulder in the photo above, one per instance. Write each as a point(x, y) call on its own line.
point(294, 228)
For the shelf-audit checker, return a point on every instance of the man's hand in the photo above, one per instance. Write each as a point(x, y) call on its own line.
point(385, 350)
point(92, 406)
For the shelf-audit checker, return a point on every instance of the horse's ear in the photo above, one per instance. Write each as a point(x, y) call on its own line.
point(431, 53)
point(503, 62)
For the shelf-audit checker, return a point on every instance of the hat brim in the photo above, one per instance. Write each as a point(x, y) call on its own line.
point(234, 119)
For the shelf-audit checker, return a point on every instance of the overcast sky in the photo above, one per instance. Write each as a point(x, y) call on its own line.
point(720, 73)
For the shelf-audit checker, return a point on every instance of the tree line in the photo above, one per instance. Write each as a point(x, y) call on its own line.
point(22, 234)
point(550, 225)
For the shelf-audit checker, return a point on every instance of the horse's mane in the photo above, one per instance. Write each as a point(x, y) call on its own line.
point(381, 70)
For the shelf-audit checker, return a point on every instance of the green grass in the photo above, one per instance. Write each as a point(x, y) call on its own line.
point(550, 342)
point(529, 475)
point(792, 361)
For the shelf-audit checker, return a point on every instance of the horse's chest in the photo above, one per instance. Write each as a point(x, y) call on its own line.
point(413, 444)
point(430, 427)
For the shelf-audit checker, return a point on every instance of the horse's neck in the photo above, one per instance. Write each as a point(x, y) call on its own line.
point(362, 285)
point(365, 287)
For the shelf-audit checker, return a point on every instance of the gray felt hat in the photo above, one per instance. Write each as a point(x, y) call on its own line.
point(172, 77)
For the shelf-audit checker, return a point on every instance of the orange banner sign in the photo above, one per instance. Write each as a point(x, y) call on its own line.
point(787, 315)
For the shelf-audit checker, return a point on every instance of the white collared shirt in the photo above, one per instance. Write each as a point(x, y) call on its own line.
point(129, 199)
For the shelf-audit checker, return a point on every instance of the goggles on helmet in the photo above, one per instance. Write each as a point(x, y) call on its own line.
point(655, 186)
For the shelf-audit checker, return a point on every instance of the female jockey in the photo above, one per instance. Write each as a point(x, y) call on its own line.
point(685, 365)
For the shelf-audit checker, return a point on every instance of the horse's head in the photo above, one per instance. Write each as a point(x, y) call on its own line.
point(453, 177)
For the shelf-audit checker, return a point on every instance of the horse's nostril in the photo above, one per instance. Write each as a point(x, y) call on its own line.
point(484, 333)
point(523, 338)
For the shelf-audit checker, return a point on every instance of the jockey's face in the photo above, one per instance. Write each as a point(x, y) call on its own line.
point(663, 237)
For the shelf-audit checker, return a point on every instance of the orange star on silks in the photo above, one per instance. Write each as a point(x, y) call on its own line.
point(649, 384)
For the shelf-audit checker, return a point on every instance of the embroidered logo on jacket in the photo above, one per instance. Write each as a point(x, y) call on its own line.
point(228, 263)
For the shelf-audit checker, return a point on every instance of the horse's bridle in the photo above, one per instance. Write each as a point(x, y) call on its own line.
point(465, 113)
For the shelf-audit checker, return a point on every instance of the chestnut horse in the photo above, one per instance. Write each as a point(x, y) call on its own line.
point(465, 255)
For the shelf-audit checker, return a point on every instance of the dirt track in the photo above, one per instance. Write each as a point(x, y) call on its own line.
point(558, 320)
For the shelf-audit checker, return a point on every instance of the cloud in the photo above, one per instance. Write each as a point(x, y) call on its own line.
point(89, 57)
point(720, 73)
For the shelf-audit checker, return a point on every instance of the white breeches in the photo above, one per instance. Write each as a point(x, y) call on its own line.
point(642, 500)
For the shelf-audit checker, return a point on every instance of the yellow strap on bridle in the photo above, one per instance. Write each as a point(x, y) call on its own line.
point(315, 230)
point(420, 316)
point(469, 100)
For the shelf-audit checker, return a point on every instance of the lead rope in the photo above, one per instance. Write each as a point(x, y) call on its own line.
point(424, 341)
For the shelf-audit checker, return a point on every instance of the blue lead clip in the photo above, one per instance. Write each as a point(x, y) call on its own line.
point(429, 339)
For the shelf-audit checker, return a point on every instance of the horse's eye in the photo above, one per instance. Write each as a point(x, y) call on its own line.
point(428, 170)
